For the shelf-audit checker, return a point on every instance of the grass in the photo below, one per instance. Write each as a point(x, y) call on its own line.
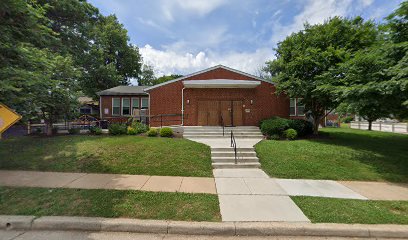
point(340, 154)
point(109, 203)
point(107, 154)
point(331, 210)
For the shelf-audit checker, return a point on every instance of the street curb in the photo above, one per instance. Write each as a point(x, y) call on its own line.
point(61, 223)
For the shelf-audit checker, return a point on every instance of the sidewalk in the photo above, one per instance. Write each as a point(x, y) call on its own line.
point(107, 181)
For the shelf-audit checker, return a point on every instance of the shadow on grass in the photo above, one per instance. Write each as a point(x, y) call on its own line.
point(387, 153)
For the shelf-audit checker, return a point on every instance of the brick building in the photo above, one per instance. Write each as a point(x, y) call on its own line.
point(211, 97)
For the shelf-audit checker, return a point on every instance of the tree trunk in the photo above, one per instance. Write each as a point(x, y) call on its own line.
point(316, 123)
point(49, 128)
point(370, 123)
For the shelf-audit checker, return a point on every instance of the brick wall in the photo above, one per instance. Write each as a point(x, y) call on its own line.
point(106, 105)
point(167, 99)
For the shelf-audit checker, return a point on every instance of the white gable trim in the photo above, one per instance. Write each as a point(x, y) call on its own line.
point(207, 70)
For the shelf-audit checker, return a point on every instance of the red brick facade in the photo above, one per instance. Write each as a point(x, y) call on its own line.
point(106, 107)
point(167, 99)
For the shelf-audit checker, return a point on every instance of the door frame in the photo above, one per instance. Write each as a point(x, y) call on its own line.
point(219, 108)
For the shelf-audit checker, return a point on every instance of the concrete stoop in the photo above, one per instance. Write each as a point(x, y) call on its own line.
point(224, 157)
point(90, 224)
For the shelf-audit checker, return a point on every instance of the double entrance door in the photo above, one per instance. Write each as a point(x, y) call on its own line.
point(211, 113)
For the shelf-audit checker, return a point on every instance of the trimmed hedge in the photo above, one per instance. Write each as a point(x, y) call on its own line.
point(277, 126)
point(74, 131)
point(166, 132)
point(290, 134)
point(152, 132)
point(274, 126)
point(117, 129)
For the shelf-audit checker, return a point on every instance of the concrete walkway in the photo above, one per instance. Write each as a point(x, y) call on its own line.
point(107, 181)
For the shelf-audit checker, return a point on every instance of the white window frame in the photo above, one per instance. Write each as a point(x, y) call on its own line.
point(138, 101)
point(141, 103)
point(295, 101)
point(297, 114)
point(130, 106)
point(113, 112)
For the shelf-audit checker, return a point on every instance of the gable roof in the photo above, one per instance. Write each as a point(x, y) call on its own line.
point(207, 70)
point(124, 90)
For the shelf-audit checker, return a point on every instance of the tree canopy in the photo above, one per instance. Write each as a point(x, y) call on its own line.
point(304, 58)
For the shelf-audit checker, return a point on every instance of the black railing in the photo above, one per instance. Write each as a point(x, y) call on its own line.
point(234, 145)
point(223, 126)
point(165, 118)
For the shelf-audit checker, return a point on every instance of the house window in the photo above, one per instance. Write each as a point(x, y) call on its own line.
point(135, 103)
point(85, 110)
point(145, 103)
point(300, 107)
point(297, 108)
point(293, 107)
point(115, 106)
point(125, 106)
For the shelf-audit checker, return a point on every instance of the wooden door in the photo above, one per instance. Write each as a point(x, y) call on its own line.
point(213, 113)
point(226, 110)
point(237, 113)
point(202, 113)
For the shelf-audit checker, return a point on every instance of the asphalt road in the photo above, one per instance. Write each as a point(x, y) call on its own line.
point(74, 235)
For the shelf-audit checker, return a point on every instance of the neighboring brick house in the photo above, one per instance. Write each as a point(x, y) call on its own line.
point(209, 97)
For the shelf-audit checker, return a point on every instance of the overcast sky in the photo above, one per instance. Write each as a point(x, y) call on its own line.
point(183, 36)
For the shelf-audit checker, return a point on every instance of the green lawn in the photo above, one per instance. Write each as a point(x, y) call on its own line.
point(107, 154)
point(109, 203)
point(331, 210)
point(340, 154)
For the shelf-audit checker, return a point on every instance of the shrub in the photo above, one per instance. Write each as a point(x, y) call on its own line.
point(95, 130)
point(131, 131)
point(290, 134)
point(139, 127)
point(117, 129)
point(153, 132)
point(74, 131)
point(274, 137)
point(302, 127)
point(347, 119)
point(275, 125)
point(166, 132)
point(38, 131)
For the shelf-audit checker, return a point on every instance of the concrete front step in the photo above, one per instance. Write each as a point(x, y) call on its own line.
point(233, 165)
point(232, 154)
point(220, 136)
point(220, 133)
point(222, 149)
point(233, 161)
point(232, 158)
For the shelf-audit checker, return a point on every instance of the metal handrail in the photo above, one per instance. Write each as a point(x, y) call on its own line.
point(223, 126)
point(161, 120)
point(234, 145)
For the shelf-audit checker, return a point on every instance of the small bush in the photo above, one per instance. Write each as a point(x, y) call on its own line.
point(74, 131)
point(117, 129)
point(302, 127)
point(290, 134)
point(166, 132)
point(274, 126)
point(153, 132)
point(139, 127)
point(347, 119)
point(38, 131)
point(131, 131)
point(95, 130)
point(274, 137)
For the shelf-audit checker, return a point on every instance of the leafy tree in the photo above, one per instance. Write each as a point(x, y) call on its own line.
point(166, 78)
point(303, 60)
point(99, 44)
point(147, 77)
point(364, 83)
point(396, 49)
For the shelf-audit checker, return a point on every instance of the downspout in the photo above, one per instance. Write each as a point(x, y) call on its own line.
point(182, 106)
point(148, 94)
point(100, 107)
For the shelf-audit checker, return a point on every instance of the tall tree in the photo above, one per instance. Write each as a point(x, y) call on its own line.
point(166, 78)
point(99, 44)
point(147, 77)
point(304, 58)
